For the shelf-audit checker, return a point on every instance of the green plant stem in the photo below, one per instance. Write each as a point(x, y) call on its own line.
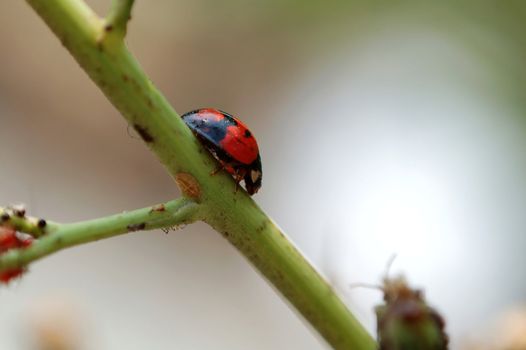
point(235, 215)
point(117, 19)
point(173, 214)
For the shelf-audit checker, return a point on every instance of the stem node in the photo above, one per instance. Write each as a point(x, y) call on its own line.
point(115, 23)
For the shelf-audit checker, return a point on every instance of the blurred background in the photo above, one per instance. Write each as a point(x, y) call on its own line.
point(384, 127)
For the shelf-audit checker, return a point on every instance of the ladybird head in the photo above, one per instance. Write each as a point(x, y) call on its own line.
point(253, 176)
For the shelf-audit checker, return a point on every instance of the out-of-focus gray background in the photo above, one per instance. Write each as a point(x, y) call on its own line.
point(384, 127)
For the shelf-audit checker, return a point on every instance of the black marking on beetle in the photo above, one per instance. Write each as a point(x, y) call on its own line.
point(143, 132)
point(136, 227)
point(229, 118)
point(5, 217)
point(41, 223)
point(108, 27)
point(211, 130)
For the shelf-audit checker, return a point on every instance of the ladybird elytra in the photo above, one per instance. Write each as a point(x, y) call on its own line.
point(231, 142)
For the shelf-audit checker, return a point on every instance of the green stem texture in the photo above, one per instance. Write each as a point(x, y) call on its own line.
point(235, 215)
point(171, 214)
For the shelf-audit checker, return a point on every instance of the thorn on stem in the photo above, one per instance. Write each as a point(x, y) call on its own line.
point(117, 19)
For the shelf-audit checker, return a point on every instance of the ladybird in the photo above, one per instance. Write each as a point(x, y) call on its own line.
point(230, 142)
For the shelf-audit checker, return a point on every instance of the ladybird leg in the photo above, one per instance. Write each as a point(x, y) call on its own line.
point(238, 180)
point(240, 174)
point(218, 169)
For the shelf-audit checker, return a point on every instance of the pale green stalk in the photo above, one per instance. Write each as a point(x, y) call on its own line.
point(235, 215)
point(57, 236)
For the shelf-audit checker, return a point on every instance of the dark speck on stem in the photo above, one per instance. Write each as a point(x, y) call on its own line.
point(136, 227)
point(20, 212)
point(143, 132)
point(41, 223)
point(158, 208)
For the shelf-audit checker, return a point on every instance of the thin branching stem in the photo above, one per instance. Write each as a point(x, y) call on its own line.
point(117, 19)
point(173, 214)
point(17, 219)
point(234, 214)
